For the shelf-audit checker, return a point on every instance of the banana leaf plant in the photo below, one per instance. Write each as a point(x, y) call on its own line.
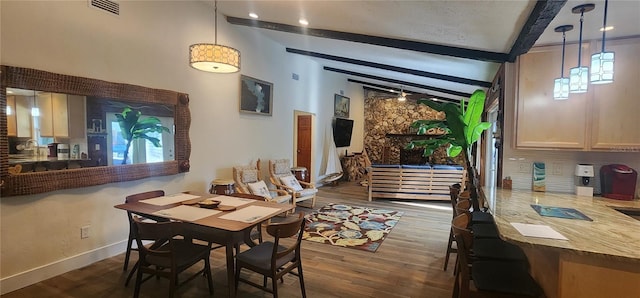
point(464, 126)
point(132, 127)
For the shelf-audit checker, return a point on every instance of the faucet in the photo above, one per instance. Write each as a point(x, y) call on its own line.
point(32, 145)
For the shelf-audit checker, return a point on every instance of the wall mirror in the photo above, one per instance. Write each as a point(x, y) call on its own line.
point(59, 131)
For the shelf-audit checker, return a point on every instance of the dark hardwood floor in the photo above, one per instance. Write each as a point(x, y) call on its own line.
point(407, 264)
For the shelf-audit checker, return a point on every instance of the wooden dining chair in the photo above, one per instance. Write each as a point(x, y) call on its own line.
point(275, 259)
point(169, 254)
point(454, 190)
point(491, 278)
point(132, 236)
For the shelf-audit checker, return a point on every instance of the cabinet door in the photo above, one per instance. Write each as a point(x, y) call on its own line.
point(23, 116)
point(543, 122)
point(11, 116)
point(77, 118)
point(616, 125)
point(60, 113)
point(45, 120)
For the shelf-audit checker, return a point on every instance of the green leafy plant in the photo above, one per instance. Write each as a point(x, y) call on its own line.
point(464, 126)
point(133, 127)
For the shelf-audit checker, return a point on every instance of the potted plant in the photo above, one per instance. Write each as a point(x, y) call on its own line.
point(133, 127)
point(463, 126)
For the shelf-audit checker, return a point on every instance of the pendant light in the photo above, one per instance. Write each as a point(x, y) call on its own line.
point(561, 84)
point(602, 63)
point(214, 57)
point(403, 96)
point(579, 76)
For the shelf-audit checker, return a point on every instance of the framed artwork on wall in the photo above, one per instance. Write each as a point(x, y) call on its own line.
point(341, 106)
point(256, 96)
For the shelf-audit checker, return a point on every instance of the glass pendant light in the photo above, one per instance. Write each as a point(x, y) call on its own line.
point(579, 76)
point(561, 84)
point(602, 63)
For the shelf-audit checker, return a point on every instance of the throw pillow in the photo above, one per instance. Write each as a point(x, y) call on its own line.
point(282, 166)
point(291, 181)
point(249, 176)
point(260, 189)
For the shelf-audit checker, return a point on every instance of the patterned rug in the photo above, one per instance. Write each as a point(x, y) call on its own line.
point(349, 226)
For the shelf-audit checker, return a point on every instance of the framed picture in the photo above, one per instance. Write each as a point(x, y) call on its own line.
point(256, 96)
point(341, 106)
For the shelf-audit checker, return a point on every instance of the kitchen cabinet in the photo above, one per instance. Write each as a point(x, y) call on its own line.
point(54, 119)
point(543, 122)
point(615, 124)
point(19, 123)
point(602, 119)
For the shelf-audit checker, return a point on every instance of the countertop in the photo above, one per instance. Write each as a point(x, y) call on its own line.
point(611, 234)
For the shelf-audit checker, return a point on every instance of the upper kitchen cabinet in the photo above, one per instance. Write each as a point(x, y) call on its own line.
point(543, 122)
point(54, 116)
point(605, 118)
point(616, 124)
point(19, 116)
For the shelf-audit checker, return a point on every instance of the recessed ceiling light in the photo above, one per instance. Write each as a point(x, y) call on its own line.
point(253, 15)
point(608, 28)
point(303, 22)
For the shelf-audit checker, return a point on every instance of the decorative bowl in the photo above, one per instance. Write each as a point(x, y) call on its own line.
point(209, 204)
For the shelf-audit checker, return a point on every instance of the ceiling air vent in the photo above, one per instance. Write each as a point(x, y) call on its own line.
point(106, 5)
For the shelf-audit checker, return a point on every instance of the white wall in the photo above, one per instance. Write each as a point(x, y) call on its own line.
point(147, 45)
point(560, 165)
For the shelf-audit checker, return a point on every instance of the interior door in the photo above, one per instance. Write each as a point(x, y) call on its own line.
point(303, 146)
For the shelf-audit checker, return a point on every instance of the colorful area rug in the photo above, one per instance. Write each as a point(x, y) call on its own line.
point(349, 226)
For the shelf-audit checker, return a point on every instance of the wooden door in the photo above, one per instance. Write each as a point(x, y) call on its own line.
point(303, 148)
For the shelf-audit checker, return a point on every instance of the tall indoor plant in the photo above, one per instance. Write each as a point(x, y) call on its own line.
point(133, 127)
point(464, 126)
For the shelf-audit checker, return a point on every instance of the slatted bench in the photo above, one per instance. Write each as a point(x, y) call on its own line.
point(417, 182)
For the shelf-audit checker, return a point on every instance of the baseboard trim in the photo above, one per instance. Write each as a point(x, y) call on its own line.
point(38, 274)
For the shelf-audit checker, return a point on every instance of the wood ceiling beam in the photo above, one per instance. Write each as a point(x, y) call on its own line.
point(387, 88)
point(423, 47)
point(404, 83)
point(541, 16)
point(415, 72)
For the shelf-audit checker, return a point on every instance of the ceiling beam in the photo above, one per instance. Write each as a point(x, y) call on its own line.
point(541, 16)
point(415, 72)
point(372, 77)
point(376, 40)
point(387, 88)
point(412, 97)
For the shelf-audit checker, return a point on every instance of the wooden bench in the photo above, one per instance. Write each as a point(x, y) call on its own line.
point(423, 182)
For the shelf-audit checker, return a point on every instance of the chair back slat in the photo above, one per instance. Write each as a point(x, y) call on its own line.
point(463, 239)
point(143, 196)
point(285, 230)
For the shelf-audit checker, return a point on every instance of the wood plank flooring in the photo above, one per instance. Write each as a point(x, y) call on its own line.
point(407, 264)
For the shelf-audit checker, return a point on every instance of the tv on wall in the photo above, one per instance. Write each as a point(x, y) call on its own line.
point(342, 129)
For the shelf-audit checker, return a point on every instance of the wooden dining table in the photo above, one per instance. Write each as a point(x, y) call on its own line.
point(225, 231)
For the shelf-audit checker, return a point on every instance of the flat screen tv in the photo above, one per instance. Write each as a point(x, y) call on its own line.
point(342, 129)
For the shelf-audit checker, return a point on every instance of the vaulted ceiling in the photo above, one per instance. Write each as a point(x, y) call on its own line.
point(446, 49)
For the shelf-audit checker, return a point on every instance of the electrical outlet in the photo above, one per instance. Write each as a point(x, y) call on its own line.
point(524, 167)
point(84, 232)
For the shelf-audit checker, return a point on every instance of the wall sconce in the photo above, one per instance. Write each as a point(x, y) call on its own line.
point(561, 84)
point(579, 76)
point(602, 63)
point(214, 57)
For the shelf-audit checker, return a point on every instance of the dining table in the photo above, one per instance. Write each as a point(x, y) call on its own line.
point(226, 224)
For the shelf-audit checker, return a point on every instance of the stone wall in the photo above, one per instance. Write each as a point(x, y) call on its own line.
point(384, 115)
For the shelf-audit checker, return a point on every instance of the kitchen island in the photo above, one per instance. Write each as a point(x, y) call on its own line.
point(601, 258)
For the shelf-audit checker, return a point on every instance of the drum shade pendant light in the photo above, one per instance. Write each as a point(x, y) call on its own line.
point(561, 84)
point(579, 76)
point(602, 63)
point(214, 57)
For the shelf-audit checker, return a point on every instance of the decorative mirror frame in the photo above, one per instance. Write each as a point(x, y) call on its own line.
point(39, 182)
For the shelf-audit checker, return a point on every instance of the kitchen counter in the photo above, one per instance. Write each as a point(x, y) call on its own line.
point(601, 258)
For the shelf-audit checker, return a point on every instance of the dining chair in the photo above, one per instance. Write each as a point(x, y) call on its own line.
point(132, 236)
point(275, 259)
point(169, 254)
point(491, 278)
point(454, 190)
